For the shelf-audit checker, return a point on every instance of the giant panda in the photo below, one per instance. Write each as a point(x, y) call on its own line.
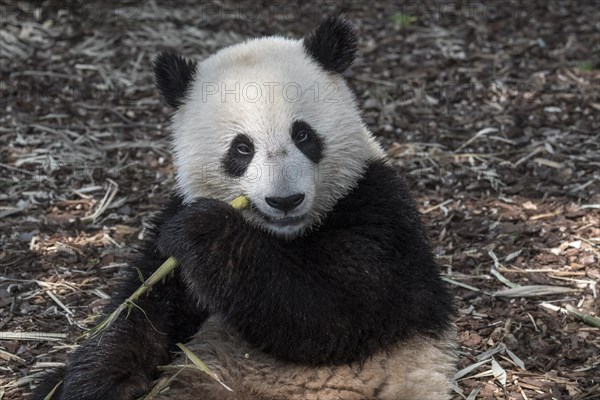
point(324, 288)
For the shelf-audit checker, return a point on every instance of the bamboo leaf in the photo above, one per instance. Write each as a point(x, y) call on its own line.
point(533, 291)
point(51, 393)
point(499, 372)
point(515, 359)
point(201, 365)
point(474, 393)
point(467, 370)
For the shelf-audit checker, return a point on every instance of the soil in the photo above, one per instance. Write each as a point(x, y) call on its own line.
point(489, 109)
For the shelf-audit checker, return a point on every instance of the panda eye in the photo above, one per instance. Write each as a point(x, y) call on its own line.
point(301, 136)
point(244, 149)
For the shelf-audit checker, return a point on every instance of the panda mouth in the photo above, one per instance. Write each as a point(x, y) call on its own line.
point(279, 221)
point(286, 221)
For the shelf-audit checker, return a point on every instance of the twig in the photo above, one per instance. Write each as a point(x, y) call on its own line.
point(432, 208)
point(41, 336)
point(110, 194)
point(482, 132)
point(60, 303)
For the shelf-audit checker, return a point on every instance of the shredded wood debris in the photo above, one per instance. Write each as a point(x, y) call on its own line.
point(490, 111)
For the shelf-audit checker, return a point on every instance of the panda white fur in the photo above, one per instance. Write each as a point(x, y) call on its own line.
point(324, 288)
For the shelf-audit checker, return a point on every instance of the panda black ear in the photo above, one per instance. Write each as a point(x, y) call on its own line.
point(332, 44)
point(173, 74)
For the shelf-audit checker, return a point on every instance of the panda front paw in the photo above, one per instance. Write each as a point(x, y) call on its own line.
point(195, 227)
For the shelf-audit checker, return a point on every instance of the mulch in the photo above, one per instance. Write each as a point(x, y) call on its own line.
point(489, 109)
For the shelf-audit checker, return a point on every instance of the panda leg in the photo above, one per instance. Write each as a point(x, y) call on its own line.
point(121, 362)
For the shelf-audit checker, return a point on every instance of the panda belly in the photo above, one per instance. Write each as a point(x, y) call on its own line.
point(420, 368)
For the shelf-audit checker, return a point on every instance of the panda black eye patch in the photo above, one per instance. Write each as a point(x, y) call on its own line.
point(307, 141)
point(239, 155)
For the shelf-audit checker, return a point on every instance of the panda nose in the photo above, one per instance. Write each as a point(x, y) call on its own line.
point(285, 204)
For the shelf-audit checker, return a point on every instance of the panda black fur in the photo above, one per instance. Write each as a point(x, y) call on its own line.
point(323, 289)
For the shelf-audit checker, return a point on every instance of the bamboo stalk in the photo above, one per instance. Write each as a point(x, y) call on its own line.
point(239, 203)
point(586, 318)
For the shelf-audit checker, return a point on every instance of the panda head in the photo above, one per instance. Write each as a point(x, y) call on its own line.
point(272, 119)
